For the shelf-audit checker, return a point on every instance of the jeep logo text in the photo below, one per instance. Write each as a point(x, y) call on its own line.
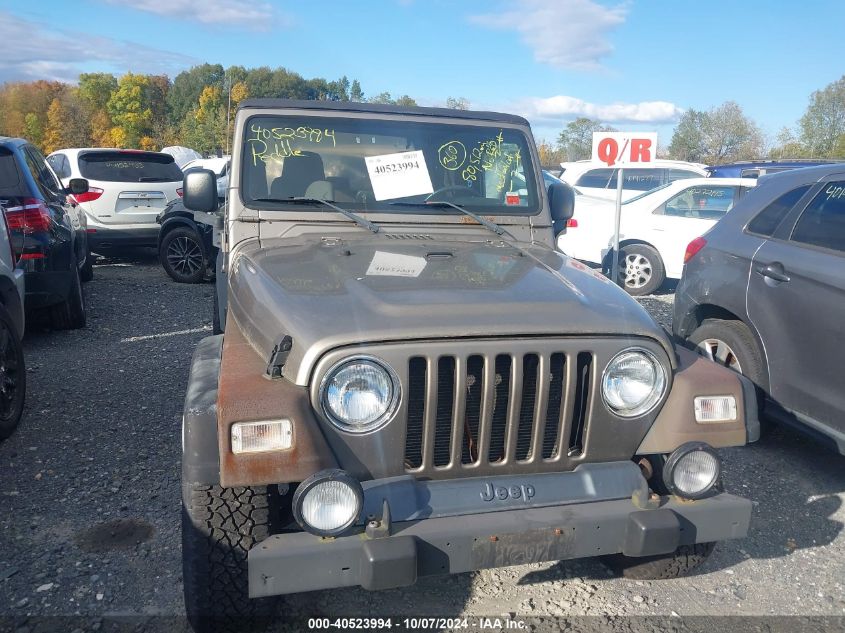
point(491, 492)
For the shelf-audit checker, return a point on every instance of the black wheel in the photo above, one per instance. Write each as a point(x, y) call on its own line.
point(732, 345)
point(641, 269)
point(86, 273)
point(12, 376)
point(219, 527)
point(70, 313)
point(679, 563)
point(216, 328)
point(182, 255)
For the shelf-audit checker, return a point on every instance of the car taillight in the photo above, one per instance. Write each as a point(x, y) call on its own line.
point(693, 247)
point(31, 216)
point(179, 192)
point(92, 194)
point(572, 223)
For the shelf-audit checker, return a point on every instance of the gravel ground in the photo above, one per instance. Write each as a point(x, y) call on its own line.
point(89, 491)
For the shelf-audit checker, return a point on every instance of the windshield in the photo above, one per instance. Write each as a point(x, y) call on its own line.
point(646, 193)
point(365, 164)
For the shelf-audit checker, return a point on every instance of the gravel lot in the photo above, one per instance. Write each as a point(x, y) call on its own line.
point(89, 491)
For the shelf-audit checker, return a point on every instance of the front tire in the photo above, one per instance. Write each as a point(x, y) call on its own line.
point(12, 376)
point(182, 256)
point(70, 313)
point(664, 567)
point(219, 527)
point(641, 269)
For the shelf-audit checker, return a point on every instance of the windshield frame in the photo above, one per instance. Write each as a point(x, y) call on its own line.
point(288, 211)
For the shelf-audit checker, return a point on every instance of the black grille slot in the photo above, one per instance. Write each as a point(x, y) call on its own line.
point(416, 412)
point(501, 398)
point(443, 419)
point(475, 384)
point(553, 419)
point(530, 369)
point(582, 401)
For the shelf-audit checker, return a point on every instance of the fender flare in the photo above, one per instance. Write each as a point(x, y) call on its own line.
point(200, 454)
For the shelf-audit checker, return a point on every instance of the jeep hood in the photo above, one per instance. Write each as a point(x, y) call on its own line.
point(328, 294)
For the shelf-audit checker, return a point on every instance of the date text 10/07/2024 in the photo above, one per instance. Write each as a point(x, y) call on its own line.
point(416, 624)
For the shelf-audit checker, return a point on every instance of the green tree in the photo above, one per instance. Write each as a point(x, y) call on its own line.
point(33, 131)
point(130, 111)
point(355, 92)
point(96, 89)
point(688, 138)
point(823, 123)
point(204, 128)
point(187, 87)
point(576, 140)
point(729, 135)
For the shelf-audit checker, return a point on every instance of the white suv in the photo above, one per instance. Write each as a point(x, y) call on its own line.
point(595, 178)
point(127, 190)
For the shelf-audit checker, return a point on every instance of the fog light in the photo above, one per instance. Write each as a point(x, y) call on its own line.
point(715, 409)
point(692, 471)
point(328, 502)
point(258, 437)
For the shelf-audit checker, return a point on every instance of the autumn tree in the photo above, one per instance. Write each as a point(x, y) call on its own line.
point(204, 128)
point(576, 140)
point(550, 156)
point(130, 111)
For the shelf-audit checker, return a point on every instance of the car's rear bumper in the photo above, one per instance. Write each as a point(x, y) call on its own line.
point(581, 524)
point(107, 238)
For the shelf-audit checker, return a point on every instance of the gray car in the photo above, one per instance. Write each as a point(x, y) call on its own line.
point(763, 292)
point(12, 319)
point(412, 381)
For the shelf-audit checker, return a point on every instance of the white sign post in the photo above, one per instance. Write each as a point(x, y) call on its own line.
point(620, 149)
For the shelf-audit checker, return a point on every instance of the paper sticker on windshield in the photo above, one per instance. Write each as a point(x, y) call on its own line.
point(399, 175)
point(386, 264)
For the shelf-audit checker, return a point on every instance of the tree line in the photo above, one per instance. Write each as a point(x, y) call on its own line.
point(139, 111)
point(725, 134)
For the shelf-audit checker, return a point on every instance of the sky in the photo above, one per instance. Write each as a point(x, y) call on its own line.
point(635, 64)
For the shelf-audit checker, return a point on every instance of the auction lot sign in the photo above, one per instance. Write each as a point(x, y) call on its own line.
point(624, 148)
point(618, 149)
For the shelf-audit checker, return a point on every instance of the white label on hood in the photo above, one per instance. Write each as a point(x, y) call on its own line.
point(395, 265)
point(399, 175)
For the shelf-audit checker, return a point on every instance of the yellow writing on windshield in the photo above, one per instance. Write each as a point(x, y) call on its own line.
point(452, 155)
point(277, 143)
point(482, 158)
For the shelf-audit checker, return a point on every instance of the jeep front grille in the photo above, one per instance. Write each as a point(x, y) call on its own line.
point(481, 410)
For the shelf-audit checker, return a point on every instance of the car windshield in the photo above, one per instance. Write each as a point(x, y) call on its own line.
point(365, 164)
point(646, 193)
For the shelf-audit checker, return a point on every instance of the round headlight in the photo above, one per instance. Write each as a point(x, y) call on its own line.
point(359, 394)
point(633, 383)
point(327, 502)
point(692, 470)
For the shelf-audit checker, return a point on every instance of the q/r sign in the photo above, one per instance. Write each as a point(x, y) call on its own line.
point(624, 148)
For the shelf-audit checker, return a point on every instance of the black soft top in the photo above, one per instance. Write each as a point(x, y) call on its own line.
point(379, 108)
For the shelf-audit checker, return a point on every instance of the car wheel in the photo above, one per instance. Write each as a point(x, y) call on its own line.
point(219, 527)
point(679, 563)
point(86, 273)
point(641, 269)
point(182, 256)
point(70, 313)
point(12, 376)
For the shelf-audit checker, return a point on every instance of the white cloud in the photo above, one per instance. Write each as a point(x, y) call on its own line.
point(563, 33)
point(561, 108)
point(254, 15)
point(34, 51)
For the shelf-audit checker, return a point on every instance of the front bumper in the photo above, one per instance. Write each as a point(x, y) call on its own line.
point(570, 515)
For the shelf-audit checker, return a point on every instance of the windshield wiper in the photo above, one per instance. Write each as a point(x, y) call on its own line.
point(297, 199)
point(498, 230)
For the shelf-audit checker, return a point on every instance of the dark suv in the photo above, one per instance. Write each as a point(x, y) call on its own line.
point(48, 233)
point(756, 168)
point(763, 292)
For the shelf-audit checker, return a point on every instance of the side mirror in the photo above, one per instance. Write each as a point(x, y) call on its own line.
point(199, 191)
point(561, 205)
point(77, 186)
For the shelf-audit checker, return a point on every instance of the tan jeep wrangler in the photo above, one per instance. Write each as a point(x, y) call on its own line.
point(412, 381)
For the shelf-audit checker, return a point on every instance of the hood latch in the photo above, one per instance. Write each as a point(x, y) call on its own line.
point(279, 356)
